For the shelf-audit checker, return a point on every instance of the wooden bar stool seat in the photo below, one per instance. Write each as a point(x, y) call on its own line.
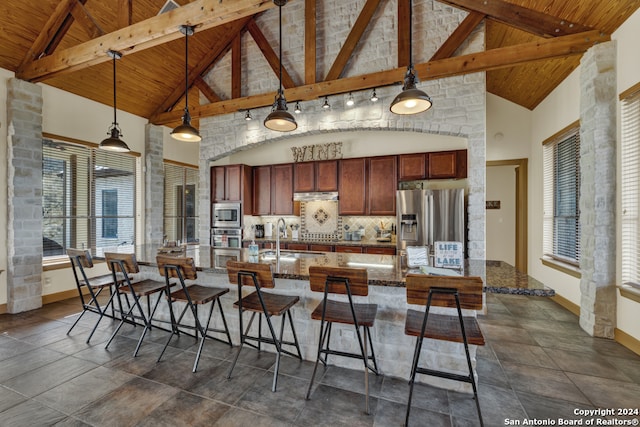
point(443, 291)
point(194, 295)
point(351, 282)
point(80, 260)
point(126, 263)
point(267, 304)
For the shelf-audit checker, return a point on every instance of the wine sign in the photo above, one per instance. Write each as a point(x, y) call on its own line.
point(328, 151)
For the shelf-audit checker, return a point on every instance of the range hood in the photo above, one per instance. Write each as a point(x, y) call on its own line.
point(316, 196)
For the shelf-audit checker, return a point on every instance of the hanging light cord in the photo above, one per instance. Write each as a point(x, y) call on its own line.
point(410, 34)
point(186, 70)
point(280, 60)
point(114, 89)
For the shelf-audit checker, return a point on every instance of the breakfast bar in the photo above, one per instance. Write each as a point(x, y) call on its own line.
point(394, 350)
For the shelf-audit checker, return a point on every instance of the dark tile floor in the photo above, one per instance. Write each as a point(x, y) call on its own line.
point(537, 364)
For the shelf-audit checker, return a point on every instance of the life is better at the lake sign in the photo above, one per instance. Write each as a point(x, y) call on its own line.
point(448, 255)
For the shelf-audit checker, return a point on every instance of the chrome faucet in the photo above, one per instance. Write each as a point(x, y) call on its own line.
point(284, 226)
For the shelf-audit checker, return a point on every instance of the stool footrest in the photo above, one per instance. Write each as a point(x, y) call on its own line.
point(351, 355)
point(443, 374)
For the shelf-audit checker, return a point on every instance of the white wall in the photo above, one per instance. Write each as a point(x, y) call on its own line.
point(508, 130)
point(628, 75)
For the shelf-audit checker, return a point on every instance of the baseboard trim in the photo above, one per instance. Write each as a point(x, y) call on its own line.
point(60, 296)
point(627, 340)
point(3, 308)
point(572, 307)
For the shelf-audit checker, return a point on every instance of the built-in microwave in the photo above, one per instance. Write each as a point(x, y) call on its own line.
point(226, 238)
point(226, 215)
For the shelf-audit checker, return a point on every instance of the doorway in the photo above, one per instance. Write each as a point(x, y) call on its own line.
point(518, 194)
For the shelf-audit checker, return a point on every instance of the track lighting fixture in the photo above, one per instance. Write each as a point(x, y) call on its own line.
point(374, 96)
point(350, 100)
point(297, 110)
point(247, 116)
point(326, 105)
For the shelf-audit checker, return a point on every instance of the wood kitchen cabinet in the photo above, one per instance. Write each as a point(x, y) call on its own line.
point(447, 164)
point(321, 248)
point(382, 185)
point(282, 189)
point(273, 190)
point(380, 251)
point(315, 176)
point(232, 183)
point(412, 166)
point(297, 246)
point(352, 178)
point(262, 190)
point(349, 249)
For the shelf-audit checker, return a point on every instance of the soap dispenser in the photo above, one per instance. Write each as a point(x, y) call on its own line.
point(253, 248)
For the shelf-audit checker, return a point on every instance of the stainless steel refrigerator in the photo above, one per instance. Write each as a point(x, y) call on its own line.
point(428, 216)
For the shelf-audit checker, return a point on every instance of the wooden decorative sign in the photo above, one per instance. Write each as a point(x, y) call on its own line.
point(493, 204)
point(448, 255)
point(328, 151)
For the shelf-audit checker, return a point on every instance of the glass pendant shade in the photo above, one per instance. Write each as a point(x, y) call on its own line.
point(280, 119)
point(411, 100)
point(114, 143)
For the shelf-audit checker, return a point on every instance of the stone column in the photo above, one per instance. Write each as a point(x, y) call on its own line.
point(598, 190)
point(153, 184)
point(24, 196)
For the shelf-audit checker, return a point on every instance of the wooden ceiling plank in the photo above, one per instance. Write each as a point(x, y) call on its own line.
point(86, 21)
point(125, 13)
point(143, 35)
point(403, 33)
point(504, 57)
point(310, 41)
point(269, 54)
point(459, 35)
point(48, 32)
point(529, 20)
point(204, 65)
point(206, 90)
point(236, 66)
point(352, 40)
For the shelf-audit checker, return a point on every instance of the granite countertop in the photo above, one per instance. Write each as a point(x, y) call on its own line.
point(364, 242)
point(383, 270)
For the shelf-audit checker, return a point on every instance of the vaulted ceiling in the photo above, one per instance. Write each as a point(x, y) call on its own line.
point(531, 46)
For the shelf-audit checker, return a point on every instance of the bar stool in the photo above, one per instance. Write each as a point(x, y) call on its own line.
point(81, 259)
point(194, 295)
point(458, 292)
point(263, 303)
point(351, 282)
point(127, 264)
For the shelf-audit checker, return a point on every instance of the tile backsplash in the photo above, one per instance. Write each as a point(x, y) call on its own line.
point(319, 220)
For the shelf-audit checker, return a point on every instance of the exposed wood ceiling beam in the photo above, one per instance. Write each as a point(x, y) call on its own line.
point(206, 90)
point(125, 13)
point(352, 39)
point(269, 54)
point(493, 59)
point(309, 42)
point(86, 21)
point(529, 20)
point(204, 65)
point(459, 35)
point(143, 35)
point(51, 28)
point(403, 33)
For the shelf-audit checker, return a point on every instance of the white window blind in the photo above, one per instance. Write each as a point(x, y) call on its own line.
point(88, 198)
point(561, 219)
point(630, 155)
point(180, 203)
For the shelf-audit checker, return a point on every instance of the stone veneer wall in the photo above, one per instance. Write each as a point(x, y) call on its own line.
point(24, 196)
point(154, 184)
point(459, 102)
point(598, 190)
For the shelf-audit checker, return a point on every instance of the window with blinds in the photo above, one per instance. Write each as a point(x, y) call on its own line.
point(88, 198)
point(630, 186)
point(561, 220)
point(180, 203)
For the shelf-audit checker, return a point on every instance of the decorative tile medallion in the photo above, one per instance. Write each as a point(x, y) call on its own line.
point(321, 216)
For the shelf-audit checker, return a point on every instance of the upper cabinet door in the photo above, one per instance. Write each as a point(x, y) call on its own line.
point(282, 189)
point(262, 190)
point(352, 186)
point(304, 177)
point(327, 175)
point(448, 164)
point(233, 183)
point(382, 185)
point(217, 184)
point(412, 166)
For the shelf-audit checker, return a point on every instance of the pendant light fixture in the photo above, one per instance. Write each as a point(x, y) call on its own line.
point(114, 143)
point(411, 100)
point(186, 132)
point(280, 119)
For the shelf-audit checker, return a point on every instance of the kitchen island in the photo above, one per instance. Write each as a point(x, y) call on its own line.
point(394, 350)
